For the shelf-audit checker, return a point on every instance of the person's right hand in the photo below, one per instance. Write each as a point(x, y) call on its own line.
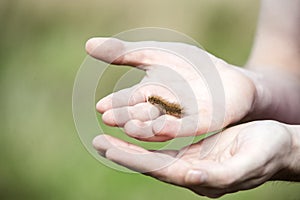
point(239, 158)
point(169, 76)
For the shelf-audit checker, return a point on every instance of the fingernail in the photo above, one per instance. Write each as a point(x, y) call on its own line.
point(195, 177)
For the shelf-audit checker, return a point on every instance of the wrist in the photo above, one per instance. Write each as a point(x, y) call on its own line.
point(290, 165)
point(276, 96)
point(262, 97)
point(294, 164)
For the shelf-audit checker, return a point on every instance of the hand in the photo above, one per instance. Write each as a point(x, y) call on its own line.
point(239, 158)
point(174, 79)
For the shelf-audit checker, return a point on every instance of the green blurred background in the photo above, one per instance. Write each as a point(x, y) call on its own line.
point(41, 49)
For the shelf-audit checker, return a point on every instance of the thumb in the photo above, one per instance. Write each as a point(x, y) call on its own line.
point(118, 52)
point(109, 50)
point(137, 54)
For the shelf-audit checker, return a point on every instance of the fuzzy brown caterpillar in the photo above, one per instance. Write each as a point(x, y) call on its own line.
point(165, 106)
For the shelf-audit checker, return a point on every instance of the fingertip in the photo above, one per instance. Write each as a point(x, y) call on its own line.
point(101, 144)
point(108, 118)
point(99, 107)
point(92, 44)
point(96, 141)
point(103, 105)
point(105, 49)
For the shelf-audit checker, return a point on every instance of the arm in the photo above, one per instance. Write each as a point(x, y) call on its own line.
point(275, 59)
point(277, 42)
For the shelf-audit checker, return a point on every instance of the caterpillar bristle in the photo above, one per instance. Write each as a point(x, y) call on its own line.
point(167, 107)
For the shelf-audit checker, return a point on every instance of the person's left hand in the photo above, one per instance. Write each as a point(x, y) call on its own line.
point(212, 93)
point(239, 158)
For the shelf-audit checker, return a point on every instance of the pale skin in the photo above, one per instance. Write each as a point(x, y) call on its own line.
point(243, 157)
point(269, 88)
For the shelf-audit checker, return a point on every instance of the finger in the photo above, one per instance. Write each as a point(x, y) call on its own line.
point(191, 125)
point(119, 52)
point(104, 142)
point(143, 131)
point(172, 153)
point(125, 97)
point(109, 50)
point(144, 162)
point(133, 156)
point(164, 127)
point(158, 165)
point(120, 116)
point(136, 54)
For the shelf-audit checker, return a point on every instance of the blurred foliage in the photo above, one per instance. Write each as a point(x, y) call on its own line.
point(41, 49)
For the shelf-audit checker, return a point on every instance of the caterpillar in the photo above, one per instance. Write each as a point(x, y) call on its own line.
point(165, 106)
